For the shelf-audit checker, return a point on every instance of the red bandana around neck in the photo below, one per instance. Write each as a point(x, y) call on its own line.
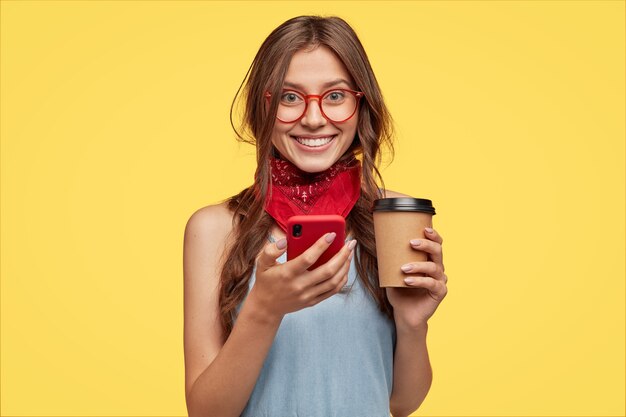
point(295, 192)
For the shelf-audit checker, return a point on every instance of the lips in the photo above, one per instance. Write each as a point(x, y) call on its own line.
point(313, 137)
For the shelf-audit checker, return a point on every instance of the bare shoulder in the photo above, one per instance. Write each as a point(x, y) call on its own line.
point(395, 194)
point(212, 219)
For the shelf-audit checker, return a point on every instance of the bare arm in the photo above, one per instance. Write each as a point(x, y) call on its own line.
point(412, 373)
point(224, 388)
point(218, 379)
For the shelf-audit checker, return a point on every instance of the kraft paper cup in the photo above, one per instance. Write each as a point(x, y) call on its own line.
point(396, 222)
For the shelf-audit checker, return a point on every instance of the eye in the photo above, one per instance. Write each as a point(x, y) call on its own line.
point(335, 96)
point(289, 97)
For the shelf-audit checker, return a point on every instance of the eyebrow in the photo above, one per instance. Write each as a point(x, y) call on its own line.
point(325, 85)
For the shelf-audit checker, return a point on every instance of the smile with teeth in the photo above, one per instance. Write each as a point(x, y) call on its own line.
point(314, 142)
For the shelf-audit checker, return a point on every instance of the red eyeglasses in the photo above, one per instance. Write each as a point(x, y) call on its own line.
point(336, 105)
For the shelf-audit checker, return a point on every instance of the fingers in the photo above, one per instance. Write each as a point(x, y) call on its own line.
point(271, 251)
point(433, 235)
point(332, 286)
point(428, 246)
point(431, 269)
point(333, 282)
point(330, 268)
point(436, 288)
point(310, 256)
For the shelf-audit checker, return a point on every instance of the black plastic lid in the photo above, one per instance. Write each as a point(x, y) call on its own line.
point(404, 204)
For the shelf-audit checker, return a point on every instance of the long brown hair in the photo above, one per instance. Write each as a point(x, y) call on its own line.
point(251, 224)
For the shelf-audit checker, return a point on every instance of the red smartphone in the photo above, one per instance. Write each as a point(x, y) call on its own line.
point(304, 231)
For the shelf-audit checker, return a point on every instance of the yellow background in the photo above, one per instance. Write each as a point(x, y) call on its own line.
point(115, 129)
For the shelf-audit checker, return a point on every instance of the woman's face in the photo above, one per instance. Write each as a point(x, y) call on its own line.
point(310, 73)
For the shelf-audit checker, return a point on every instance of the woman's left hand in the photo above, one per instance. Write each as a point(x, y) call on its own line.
point(414, 306)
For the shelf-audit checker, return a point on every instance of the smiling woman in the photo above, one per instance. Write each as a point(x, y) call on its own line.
point(265, 336)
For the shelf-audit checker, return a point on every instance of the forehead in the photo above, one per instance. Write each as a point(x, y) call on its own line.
point(313, 70)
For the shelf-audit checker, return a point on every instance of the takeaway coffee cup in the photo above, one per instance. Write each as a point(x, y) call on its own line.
point(396, 222)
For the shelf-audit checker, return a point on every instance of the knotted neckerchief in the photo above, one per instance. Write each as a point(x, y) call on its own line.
point(295, 192)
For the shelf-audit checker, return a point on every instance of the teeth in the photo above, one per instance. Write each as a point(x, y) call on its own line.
point(314, 142)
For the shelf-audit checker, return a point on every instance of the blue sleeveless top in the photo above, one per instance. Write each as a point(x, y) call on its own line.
point(334, 359)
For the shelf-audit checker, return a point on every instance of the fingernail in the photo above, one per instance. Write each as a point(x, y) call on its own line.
point(409, 280)
point(406, 268)
point(415, 242)
point(330, 237)
point(352, 244)
point(429, 230)
point(282, 243)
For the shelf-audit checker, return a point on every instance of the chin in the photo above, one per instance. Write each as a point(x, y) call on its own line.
point(307, 164)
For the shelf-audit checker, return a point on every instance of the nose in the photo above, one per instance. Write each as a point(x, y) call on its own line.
point(313, 116)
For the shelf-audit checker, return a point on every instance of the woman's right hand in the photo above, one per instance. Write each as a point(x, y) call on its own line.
point(284, 288)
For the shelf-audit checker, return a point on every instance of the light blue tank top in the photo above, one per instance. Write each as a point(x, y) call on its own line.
point(334, 359)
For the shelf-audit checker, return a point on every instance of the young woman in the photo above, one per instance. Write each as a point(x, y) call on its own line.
point(266, 337)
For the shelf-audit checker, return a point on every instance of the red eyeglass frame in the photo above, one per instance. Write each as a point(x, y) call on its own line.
point(357, 94)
